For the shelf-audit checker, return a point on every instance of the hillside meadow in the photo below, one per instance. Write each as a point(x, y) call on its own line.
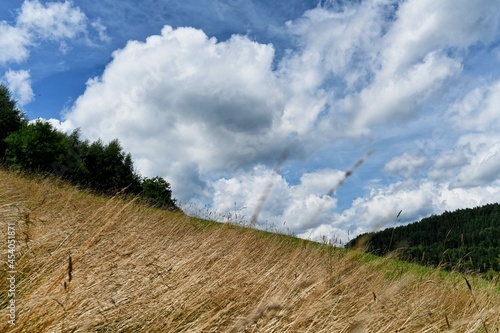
point(87, 263)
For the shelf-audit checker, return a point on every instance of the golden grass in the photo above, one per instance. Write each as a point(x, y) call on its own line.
point(90, 264)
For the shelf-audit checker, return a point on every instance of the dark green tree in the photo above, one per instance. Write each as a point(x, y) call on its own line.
point(156, 192)
point(11, 118)
point(73, 167)
point(110, 170)
point(36, 147)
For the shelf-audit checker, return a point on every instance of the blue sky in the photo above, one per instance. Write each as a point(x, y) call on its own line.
point(208, 94)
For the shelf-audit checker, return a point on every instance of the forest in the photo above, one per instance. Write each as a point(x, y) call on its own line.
point(37, 147)
point(466, 240)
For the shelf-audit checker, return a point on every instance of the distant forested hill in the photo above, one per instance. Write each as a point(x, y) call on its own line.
point(466, 239)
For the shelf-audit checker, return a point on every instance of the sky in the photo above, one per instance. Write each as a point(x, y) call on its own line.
point(320, 118)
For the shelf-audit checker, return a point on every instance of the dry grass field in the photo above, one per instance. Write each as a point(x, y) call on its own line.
point(91, 264)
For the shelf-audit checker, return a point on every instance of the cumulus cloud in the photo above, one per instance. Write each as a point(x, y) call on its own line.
point(192, 98)
point(62, 126)
point(19, 84)
point(213, 116)
point(415, 198)
point(297, 207)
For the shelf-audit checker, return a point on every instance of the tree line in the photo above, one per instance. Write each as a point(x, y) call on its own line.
point(37, 147)
point(464, 240)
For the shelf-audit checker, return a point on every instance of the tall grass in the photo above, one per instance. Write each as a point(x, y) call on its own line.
point(91, 264)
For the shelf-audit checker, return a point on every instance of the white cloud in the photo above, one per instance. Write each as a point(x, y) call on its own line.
point(19, 84)
point(447, 164)
point(101, 30)
point(14, 44)
point(53, 21)
point(59, 22)
point(478, 110)
point(335, 46)
point(405, 165)
point(398, 62)
point(424, 26)
point(398, 97)
point(483, 160)
point(415, 198)
point(191, 98)
point(380, 207)
point(62, 126)
point(475, 159)
point(419, 52)
point(297, 207)
point(339, 42)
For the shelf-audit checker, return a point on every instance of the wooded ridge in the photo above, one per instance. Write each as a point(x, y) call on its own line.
point(464, 240)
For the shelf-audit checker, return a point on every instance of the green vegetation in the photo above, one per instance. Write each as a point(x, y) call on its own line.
point(463, 240)
point(156, 191)
point(11, 118)
point(37, 147)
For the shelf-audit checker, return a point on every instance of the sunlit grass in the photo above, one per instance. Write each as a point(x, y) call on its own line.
point(138, 269)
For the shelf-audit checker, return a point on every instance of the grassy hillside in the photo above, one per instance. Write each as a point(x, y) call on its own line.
point(89, 264)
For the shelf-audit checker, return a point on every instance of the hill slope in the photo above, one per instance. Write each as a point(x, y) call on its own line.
point(466, 239)
point(90, 264)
